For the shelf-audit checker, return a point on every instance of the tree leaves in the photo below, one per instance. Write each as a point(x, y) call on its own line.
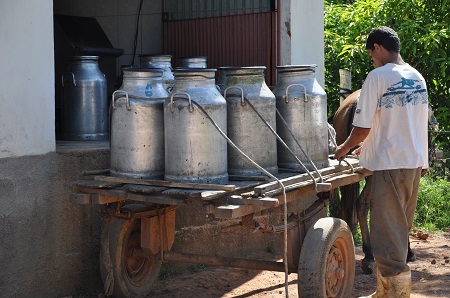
point(422, 26)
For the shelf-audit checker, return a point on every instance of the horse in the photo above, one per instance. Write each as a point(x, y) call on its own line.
point(342, 123)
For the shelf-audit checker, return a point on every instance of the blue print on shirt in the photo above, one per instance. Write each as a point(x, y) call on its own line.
point(404, 92)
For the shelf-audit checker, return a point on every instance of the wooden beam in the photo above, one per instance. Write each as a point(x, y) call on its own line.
point(80, 198)
point(166, 183)
point(158, 199)
point(238, 200)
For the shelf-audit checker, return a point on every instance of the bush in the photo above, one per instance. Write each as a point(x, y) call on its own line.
point(433, 204)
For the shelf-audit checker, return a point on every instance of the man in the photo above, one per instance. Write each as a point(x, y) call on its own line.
point(391, 118)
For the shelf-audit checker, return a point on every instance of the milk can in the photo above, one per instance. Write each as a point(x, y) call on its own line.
point(195, 152)
point(302, 102)
point(192, 62)
point(222, 76)
point(84, 105)
point(245, 128)
point(137, 125)
point(159, 61)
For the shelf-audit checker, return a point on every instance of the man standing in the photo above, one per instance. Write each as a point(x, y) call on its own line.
point(391, 118)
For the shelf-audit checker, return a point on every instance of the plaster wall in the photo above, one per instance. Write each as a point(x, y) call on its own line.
point(307, 35)
point(49, 246)
point(27, 93)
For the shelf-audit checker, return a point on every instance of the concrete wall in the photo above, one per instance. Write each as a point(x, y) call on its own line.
point(27, 93)
point(302, 34)
point(49, 247)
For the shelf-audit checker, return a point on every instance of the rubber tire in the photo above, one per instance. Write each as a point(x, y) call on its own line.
point(329, 239)
point(124, 232)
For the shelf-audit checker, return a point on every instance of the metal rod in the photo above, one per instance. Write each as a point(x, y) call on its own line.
point(225, 262)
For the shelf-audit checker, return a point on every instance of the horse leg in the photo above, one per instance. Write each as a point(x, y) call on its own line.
point(348, 205)
point(362, 207)
point(411, 256)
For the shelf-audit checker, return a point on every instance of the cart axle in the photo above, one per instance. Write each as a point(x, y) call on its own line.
point(218, 261)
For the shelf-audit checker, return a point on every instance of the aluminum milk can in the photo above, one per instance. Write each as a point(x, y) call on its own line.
point(159, 61)
point(195, 151)
point(303, 104)
point(84, 105)
point(137, 125)
point(245, 128)
point(192, 62)
point(222, 76)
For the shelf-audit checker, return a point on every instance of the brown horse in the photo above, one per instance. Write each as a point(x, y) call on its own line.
point(342, 123)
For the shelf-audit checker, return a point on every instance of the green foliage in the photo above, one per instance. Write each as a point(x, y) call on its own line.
point(433, 205)
point(422, 26)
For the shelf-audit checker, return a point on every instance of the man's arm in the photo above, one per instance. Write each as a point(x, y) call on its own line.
point(357, 136)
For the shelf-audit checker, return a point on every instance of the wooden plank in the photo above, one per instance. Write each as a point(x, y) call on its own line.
point(158, 199)
point(158, 232)
point(342, 180)
point(210, 195)
point(297, 181)
point(166, 183)
point(235, 211)
point(242, 186)
point(80, 198)
point(247, 178)
point(261, 189)
point(96, 184)
point(143, 188)
point(109, 192)
point(192, 193)
point(238, 200)
point(101, 199)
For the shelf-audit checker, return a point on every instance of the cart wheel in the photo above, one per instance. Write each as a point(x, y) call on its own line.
point(131, 276)
point(327, 260)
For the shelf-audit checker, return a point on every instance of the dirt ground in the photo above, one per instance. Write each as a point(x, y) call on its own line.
point(430, 274)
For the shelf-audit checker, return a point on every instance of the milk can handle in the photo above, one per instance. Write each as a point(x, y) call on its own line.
point(235, 87)
point(73, 78)
point(126, 95)
point(286, 98)
point(172, 109)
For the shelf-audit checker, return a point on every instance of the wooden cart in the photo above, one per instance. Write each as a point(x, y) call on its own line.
point(139, 227)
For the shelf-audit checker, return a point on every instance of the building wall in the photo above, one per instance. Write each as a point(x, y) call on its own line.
point(27, 93)
point(307, 35)
point(119, 19)
point(50, 246)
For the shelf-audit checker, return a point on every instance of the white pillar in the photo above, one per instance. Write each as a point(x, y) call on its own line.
point(302, 34)
point(27, 97)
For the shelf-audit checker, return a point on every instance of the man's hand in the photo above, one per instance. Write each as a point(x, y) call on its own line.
point(357, 151)
point(355, 138)
point(340, 152)
point(424, 171)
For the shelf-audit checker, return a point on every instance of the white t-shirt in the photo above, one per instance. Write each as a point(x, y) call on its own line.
point(394, 104)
